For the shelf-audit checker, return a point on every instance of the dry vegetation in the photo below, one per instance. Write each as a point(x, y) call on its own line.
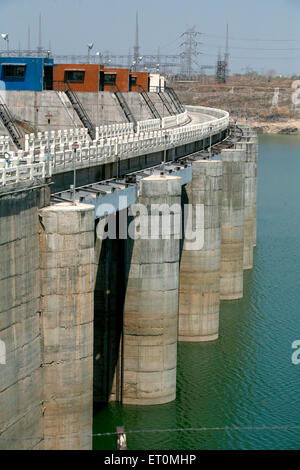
point(247, 97)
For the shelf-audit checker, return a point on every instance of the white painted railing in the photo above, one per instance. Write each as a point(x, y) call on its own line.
point(17, 174)
point(4, 144)
point(61, 139)
point(33, 143)
point(114, 130)
point(106, 150)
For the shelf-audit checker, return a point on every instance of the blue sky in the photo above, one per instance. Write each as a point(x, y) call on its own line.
point(71, 24)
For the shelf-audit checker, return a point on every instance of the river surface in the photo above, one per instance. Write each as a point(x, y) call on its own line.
point(246, 378)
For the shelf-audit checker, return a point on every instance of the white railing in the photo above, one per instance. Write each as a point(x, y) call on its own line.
point(62, 139)
point(114, 130)
point(175, 120)
point(17, 174)
point(4, 144)
point(33, 143)
point(106, 150)
point(148, 125)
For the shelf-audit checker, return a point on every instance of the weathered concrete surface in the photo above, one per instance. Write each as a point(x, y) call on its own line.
point(232, 233)
point(199, 292)
point(250, 202)
point(67, 284)
point(251, 137)
point(20, 376)
point(254, 138)
point(151, 302)
point(102, 108)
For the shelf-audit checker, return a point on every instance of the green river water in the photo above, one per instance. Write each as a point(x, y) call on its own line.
point(246, 378)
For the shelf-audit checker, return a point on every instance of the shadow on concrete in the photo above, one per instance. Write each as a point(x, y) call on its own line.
point(184, 200)
point(109, 298)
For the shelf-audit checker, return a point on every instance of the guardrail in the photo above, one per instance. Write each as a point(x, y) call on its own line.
point(34, 142)
point(60, 138)
point(17, 174)
point(108, 150)
point(4, 143)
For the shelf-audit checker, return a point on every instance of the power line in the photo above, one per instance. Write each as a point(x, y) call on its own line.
point(286, 427)
point(232, 38)
point(255, 48)
point(256, 58)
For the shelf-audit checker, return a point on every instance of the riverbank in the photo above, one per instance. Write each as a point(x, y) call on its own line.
point(266, 102)
point(291, 127)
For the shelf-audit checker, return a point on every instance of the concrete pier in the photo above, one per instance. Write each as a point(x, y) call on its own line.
point(151, 302)
point(67, 284)
point(20, 368)
point(199, 292)
point(232, 214)
point(250, 201)
point(251, 137)
point(254, 157)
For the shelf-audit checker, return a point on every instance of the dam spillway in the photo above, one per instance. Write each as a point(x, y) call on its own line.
point(79, 296)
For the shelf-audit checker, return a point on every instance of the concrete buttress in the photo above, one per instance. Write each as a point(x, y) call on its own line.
point(67, 285)
point(199, 291)
point(250, 202)
point(151, 299)
point(232, 219)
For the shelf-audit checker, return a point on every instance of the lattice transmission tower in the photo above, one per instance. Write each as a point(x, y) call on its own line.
point(136, 48)
point(222, 64)
point(190, 51)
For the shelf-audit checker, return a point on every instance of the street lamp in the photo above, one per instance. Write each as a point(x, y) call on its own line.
point(48, 116)
point(75, 146)
point(165, 149)
point(210, 131)
point(235, 134)
point(6, 38)
point(7, 160)
point(98, 53)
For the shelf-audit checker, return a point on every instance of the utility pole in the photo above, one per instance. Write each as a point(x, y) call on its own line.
point(28, 44)
point(40, 47)
point(190, 50)
point(136, 48)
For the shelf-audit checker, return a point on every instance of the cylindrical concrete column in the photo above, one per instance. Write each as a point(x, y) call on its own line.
point(67, 284)
point(254, 156)
point(232, 220)
point(250, 202)
point(199, 291)
point(20, 365)
point(151, 300)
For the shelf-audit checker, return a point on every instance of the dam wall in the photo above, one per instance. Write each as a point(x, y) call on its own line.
point(103, 312)
point(102, 107)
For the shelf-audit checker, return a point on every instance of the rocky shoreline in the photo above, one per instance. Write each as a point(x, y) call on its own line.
point(287, 127)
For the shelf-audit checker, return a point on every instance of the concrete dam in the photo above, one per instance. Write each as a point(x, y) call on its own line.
point(113, 249)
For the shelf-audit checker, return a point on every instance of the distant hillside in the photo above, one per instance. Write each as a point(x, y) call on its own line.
point(267, 102)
